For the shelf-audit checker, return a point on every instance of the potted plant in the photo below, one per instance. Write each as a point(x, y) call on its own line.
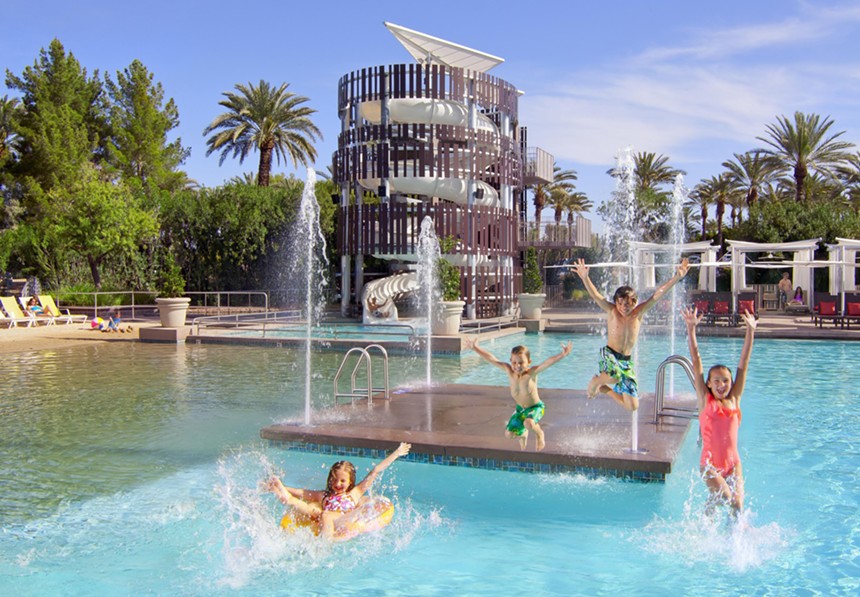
point(531, 300)
point(172, 306)
point(449, 313)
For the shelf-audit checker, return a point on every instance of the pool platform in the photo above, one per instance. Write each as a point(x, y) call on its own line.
point(463, 425)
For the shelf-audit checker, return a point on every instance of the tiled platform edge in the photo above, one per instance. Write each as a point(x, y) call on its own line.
point(472, 462)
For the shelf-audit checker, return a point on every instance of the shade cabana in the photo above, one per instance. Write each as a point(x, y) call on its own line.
point(644, 261)
point(802, 263)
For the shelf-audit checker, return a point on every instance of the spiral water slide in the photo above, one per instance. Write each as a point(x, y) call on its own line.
point(385, 291)
point(431, 111)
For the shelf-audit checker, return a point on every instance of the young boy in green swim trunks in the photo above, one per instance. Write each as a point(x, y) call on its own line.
point(624, 315)
point(523, 377)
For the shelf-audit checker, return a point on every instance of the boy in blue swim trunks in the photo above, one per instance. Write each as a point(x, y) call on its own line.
point(624, 315)
point(523, 377)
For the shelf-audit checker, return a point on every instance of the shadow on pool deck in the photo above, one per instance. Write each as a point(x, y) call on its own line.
point(463, 425)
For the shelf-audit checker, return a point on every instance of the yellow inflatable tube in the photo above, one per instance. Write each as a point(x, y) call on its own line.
point(371, 515)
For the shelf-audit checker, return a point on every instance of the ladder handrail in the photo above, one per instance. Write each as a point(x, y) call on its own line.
point(384, 352)
point(660, 389)
point(364, 355)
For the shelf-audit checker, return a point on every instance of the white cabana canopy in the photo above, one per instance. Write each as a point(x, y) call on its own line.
point(643, 257)
point(802, 262)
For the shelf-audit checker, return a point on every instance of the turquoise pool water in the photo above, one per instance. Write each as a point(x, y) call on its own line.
point(134, 469)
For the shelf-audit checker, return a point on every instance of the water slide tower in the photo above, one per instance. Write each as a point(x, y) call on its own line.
point(437, 137)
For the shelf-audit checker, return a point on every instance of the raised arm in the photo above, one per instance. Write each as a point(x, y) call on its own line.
point(682, 270)
point(565, 350)
point(692, 319)
point(582, 271)
point(746, 353)
point(401, 450)
point(487, 356)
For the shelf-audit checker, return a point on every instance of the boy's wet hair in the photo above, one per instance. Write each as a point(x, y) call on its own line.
point(624, 292)
point(341, 464)
point(520, 349)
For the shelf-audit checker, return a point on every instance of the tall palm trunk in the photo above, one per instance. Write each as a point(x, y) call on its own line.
point(721, 210)
point(265, 164)
point(800, 173)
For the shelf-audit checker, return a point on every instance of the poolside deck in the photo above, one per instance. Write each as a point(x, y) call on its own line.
point(463, 425)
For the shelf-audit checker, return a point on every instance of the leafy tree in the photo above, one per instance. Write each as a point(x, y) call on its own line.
point(139, 125)
point(265, 119)
point(786, 221)
point(806, 145)
point(95, 219)
point(63, 123)
point(230, 237)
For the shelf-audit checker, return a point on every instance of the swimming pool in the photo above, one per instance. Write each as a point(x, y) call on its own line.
point(119, 478)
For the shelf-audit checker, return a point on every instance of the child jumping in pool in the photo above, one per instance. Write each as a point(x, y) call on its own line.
point(719, 401)
point(523, 377)
point(624, 314)
point(340, 496)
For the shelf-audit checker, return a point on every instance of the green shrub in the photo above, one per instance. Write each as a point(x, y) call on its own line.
point(449, 275)
point(532, 282)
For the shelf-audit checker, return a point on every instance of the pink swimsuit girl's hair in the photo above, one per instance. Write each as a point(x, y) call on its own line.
point(340, 464)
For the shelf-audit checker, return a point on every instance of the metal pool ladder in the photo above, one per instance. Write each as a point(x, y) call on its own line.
point(674, 411)
point(366, 392)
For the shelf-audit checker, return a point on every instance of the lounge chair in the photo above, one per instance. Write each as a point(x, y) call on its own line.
point(50, 307)
point(40, 316)
point(826, 309)
point(852, 309)
point(746, 303)
point(14, 313)
point(702, 303)
point(798, 308)
point(721, 309)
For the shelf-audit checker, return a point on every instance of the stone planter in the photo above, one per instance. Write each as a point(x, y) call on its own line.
point(446, 321)
point(530, 305)
point(172, 311)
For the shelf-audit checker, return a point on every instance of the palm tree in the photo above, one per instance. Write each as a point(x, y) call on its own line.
point(701, 198)
point(562, 180)
point(806, 145)
point(650, 171)
point(266, 119)
point(577, 203)
point(749, 172)
point(10, 109)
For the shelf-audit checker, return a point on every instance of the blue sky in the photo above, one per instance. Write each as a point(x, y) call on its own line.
point(695, 81)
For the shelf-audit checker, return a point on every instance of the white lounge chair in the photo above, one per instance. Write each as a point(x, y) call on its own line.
point(50, 307)
point(14, 314)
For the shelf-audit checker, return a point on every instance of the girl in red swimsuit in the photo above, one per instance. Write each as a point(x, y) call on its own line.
point(340, 496)
point(719, 402)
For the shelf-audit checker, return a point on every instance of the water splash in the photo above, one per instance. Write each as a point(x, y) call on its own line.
point(714, 539)
point(428, 280)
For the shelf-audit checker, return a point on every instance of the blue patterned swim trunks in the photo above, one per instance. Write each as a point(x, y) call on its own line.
point(619, 366)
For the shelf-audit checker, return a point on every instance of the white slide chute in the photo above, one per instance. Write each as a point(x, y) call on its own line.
point(378, 297)
point(425, 111)
point(432, 111)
